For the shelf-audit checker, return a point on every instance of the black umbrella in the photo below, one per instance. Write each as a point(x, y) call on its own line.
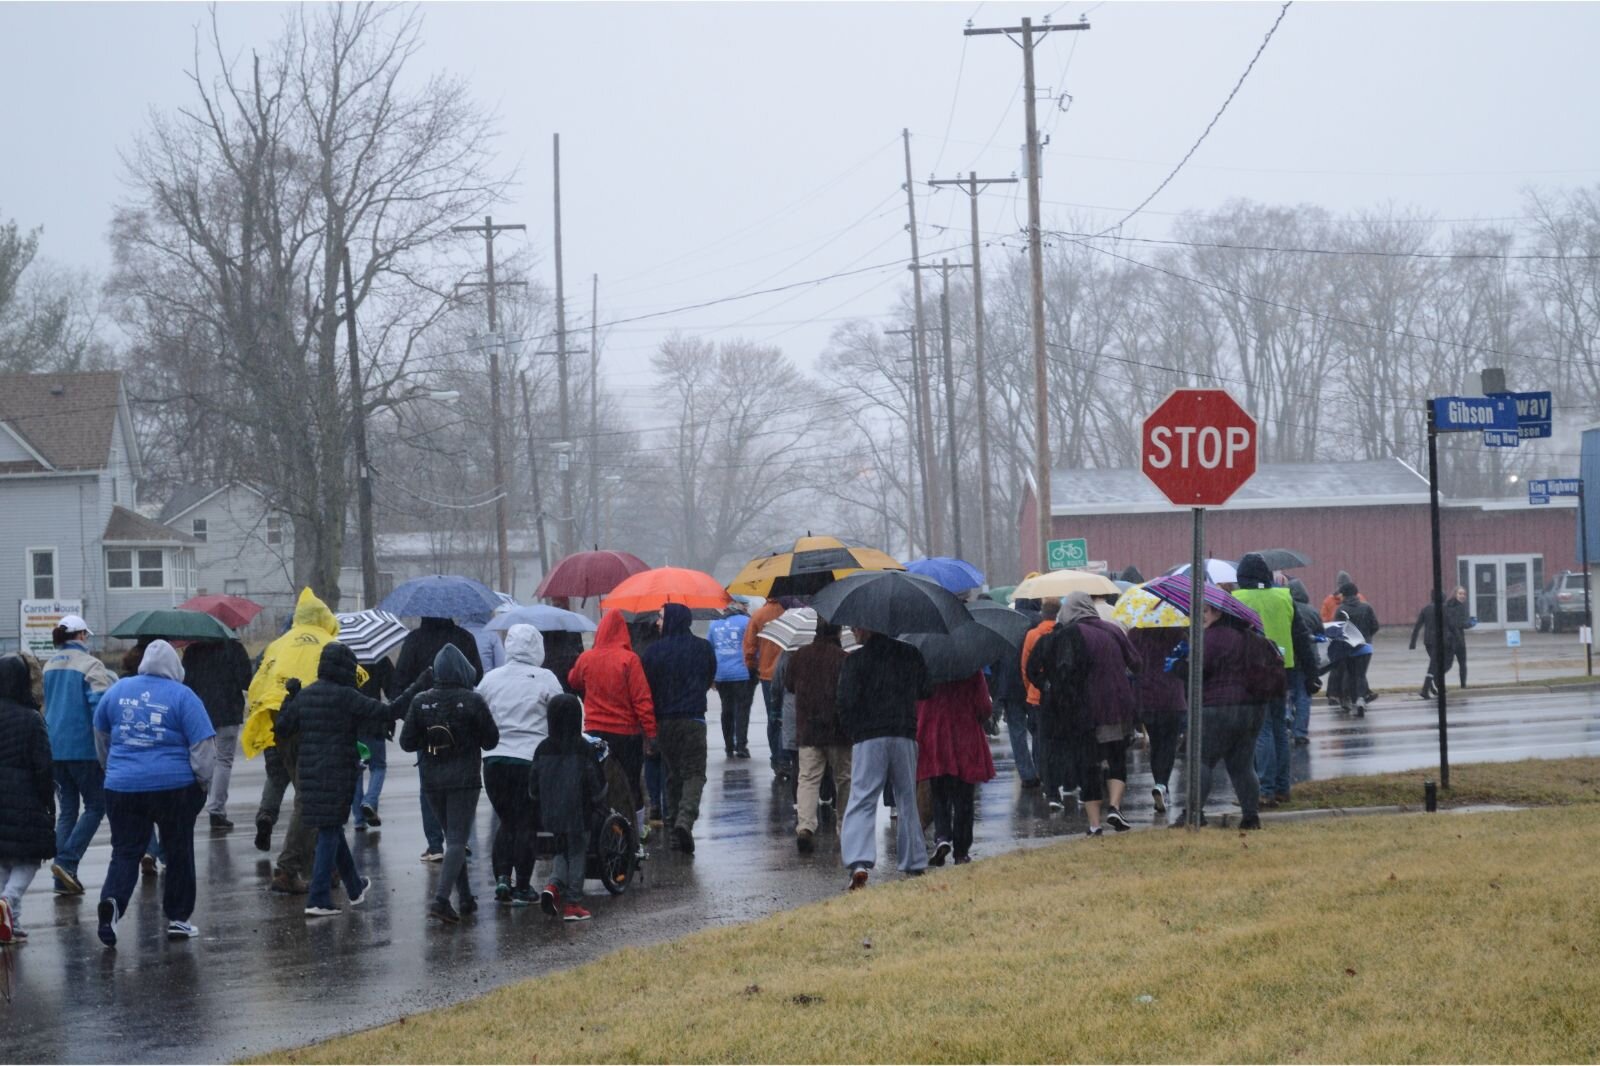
point(1012, 625)
point(1283, 558)
point(890, 601)
point(959, 654)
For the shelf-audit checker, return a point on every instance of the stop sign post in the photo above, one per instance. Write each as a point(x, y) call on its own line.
point(1198, 447)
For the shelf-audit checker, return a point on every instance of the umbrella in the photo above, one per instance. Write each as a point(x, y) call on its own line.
point(370, 634)
point(172, 624)
point(1138, 608)
point(1282, 558)
point(1011, 625)
point(960, 653)
point(890, 601)
point(585, 574)
point(1058, 583)
point(955, 575)
point(235, 612)
point(797, 627)
point(1175, 590)
point(810, 564)
point(543, 617)
point(440, 596)
point(1002, 593)
point(654, 589)
point(1219, 571)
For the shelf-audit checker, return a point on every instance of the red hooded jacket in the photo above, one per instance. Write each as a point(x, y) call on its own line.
point(610, 678)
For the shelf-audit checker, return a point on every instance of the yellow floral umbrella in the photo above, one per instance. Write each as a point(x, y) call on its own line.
point(1139, 609)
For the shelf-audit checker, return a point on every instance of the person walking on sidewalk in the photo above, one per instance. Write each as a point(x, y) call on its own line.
point(1354, 692)
point(879, 686)
point(813, 678)
point(374, 769)
point(953, 757)
point(1441, 651)
point(1305, 680)
point(1009, 692)
point(567, 791)
point(760, 656)
point(1053, 756)
point(518, 695)
point(417, 653)
point(681, 668)
point(736, 689)
point(617, 706)
point(74, 682)
point(1275, 605)
point(27, 794)
point(159, 750)
point(219, 673)
point(1162, 697)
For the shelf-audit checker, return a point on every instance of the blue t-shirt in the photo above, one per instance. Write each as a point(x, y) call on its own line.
point(727, 640)
point(152, 721)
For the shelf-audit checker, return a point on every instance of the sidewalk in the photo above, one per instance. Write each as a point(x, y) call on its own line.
point(1542, 657)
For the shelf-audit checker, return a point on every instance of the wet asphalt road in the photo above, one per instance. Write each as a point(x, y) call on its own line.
point(262, 976)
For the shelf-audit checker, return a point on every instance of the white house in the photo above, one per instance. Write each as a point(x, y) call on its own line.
point(243, 546)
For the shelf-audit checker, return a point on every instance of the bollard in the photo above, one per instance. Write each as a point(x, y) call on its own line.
point(1430, 796)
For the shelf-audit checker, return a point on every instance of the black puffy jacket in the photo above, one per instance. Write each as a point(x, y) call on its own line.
point(449, 726)
point(328, 716)
point(219, 673)
point(567, 786)
point(27, 790)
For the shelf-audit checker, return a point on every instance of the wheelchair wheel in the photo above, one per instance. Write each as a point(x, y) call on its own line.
point(617, 853)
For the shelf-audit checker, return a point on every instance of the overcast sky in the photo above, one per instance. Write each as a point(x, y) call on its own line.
point(713, 149)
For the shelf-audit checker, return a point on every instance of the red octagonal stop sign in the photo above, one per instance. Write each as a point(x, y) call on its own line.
point(1198, 447)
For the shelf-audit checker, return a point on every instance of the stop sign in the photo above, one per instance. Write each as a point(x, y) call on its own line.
point(1198, 447)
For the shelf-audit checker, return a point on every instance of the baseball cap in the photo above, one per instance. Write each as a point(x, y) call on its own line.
point(74, 623)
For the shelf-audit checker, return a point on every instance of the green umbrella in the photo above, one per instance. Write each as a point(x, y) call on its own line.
point(172, 624)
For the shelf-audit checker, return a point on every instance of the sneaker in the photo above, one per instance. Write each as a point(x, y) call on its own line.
point(1030, 782)
point(574, 913)
point(962, 860)
point(683, 838)
point(941, 851)
point(1302, 742)
point(858, 878)
point(361, 897)
point(263, 834)
point(502, 891)
point(369, 814)
point(150, 866)
point(743, 753)
point(468, 906)
point(1159, 795)
point(441, 911)
point(1182, 821)
point(1056, 805)
point(288, 885)
point(429, 855)
point(1361, 707)
point(805, 841)
point(109, 917)
point(360, 827)
point(184, 931)
point(321, 912)
point(67, 882)
point(18, 935)
point(1095, 831)
point(1250, 821)
point(7, 928)
point(522, 897)
point(221, 822)
point(550, 900)
point(1116, 821)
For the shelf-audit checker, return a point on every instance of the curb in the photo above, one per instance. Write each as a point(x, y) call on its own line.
point(1499, 690)
point(1230, 819)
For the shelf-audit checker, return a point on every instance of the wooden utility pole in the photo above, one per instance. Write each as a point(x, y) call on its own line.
point(919, 367)
point(496, 451)
point(569, 537)
point(1041, 381)
point(985, 488)
point(533, 477)
point(914, 454)
point(944, 268)
point(358, 403)
point(594, 406)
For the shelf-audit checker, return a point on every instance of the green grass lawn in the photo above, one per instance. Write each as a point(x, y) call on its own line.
point(1529, 782)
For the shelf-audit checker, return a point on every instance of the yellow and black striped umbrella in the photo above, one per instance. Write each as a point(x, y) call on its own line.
point(803, 569)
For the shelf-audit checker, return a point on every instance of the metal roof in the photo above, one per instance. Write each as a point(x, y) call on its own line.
point(1378, 482)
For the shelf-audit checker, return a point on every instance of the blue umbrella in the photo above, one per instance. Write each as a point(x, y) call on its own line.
point(542, 616)
point(440, 597)
point(954, 575)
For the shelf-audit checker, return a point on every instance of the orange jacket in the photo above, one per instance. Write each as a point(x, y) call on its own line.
point(610, 678)
point(1330, 606)
point(1027, 649)
point(762, 655)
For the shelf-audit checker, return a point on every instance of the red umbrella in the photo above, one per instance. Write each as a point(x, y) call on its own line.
point(235, 612)
point(653, 589)
point(584, 574)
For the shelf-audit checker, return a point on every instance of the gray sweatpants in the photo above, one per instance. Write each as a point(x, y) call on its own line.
point(872, 763)
point(222, 772)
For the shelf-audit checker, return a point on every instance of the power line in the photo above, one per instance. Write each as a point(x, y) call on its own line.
point(1080, 238)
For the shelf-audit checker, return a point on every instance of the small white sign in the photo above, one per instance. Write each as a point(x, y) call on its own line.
point(39, 617)
point(1585, 635)
point(1513, 638)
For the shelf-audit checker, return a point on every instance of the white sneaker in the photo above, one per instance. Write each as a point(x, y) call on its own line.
point(1159, 795)
point(182, 931)
point(110, 915)
point(321, 912)
point(360, 897)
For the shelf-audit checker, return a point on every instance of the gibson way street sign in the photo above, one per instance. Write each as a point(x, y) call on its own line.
point(1198, 447)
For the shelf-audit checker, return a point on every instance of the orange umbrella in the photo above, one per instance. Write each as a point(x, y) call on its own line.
point(653, 589)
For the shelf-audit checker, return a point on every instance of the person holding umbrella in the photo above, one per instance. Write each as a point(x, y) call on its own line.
point(735, 687)
point(681, 668)
point(760, 657)
point(219, 673)
point(953, 757)
point(813, 678)
point(417, 652)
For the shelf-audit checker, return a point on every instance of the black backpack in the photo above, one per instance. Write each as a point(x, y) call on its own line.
point(1059, 669)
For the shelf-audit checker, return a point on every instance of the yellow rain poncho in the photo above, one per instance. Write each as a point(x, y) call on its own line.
point(295, 654)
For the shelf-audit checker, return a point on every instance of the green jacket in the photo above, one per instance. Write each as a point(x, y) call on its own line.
point(1276, 608)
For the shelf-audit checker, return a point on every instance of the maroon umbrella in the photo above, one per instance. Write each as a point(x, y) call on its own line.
point(235, 612)
point(585, 574)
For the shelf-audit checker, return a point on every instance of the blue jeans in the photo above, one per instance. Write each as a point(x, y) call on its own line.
point(1272, 751)
point(1019, 723)
point(377, 769)
point(1300, 700)
point(655, 781)
point(332, 850)
point(769, 697)
point(431, 830)
point(77, 781)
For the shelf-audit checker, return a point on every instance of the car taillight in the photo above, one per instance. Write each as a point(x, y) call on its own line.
point(1564, 596)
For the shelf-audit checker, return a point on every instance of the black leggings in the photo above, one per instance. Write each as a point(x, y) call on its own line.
point(1164, 731)
point(506, 782)
point(628, 750)
point(952, 812)
point(1099, 762)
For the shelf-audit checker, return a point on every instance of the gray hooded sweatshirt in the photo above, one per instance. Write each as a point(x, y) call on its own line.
point(519, 694)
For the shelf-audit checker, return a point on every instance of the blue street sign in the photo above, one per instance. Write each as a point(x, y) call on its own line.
point(1465, 414)
point(1537, 500)
point(1500, 438)
point(1555, 486)
point(1534, 418)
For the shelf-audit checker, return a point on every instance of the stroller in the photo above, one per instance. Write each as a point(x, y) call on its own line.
point(613, 857)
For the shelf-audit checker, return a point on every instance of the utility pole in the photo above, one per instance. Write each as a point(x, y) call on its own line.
point(985, 488)
point(1041, 382)
point(497, 454)
point(569, 539)
point(930, 509)
point(369, 546)
point(533, 473)
point(944, 268)
point(914, 452)
point(594, 406)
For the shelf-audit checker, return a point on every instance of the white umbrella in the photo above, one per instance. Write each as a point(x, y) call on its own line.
point(1218, 571)
point(797, 627)
point(370, 634)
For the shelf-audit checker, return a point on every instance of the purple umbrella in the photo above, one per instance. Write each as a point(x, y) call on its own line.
point(1175, 590)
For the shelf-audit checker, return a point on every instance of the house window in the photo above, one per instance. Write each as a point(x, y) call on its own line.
point(114, 498)
point(274, 529)
point(199, 529)
point(127, 568)
point(236, 587)
point(42, 573)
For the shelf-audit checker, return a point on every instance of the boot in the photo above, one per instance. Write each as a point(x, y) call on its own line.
point(1428, 691)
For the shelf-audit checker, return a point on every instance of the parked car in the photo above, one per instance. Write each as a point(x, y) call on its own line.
point(1560, 605)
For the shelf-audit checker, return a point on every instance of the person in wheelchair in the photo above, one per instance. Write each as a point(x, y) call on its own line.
point(568, 790)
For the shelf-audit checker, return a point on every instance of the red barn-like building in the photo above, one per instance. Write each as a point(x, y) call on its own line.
point(1370, 518)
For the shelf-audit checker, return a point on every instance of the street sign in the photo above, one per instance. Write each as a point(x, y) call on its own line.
point(1466, 414)
point(1501, 438)
point(1555, 486)
point(1199, 447)
point(1066, 554)
point(1513, 638)
point(1536, 499)
point(1533, 413)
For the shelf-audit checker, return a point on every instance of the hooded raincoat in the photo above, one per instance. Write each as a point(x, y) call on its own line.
point(567, 786)
point(680, 667)
point(1274, 605)
point(611, 680)
point(27, 794)
point(296, 654)
point(519, 694)
point(449, 726)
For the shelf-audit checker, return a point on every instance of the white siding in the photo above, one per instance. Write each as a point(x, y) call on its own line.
point(236, 549)
point(63, 512)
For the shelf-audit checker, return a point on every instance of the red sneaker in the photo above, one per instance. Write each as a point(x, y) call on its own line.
point(574, 913)
point(550, 900)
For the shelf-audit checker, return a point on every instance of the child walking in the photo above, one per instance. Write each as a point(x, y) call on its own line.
point(568, 792)
point(27, 794)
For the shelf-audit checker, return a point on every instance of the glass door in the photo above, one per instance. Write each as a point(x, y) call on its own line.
point(1486, 592)
point(1519, 593)
point(1502, 589)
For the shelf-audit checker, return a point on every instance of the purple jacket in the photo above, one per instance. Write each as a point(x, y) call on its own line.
point(1159, 694)
point(1108, 691)
point(1223, 683)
